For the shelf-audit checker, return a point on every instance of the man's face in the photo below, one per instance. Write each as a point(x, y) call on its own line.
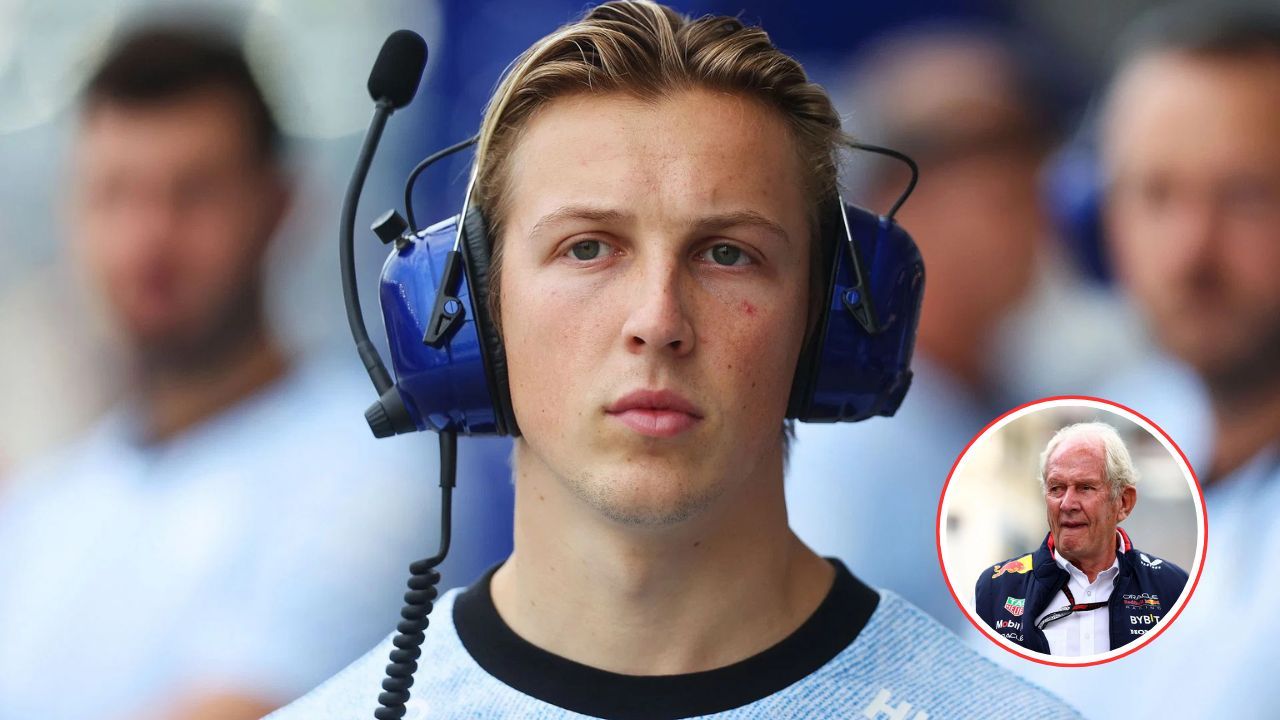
point(1193, 151)
point(977, 205)
point(653, 294)
point(1082, 513)
point(173, 208)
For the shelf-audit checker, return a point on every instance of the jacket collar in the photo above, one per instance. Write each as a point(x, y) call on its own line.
point(1045, 564)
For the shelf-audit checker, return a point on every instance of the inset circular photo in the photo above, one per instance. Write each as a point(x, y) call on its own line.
point(1071, 531)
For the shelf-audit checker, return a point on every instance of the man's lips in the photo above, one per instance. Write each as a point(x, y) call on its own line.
point(655, 413)
point(1072, 524)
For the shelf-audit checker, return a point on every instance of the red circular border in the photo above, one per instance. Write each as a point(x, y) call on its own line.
point(1204, 530)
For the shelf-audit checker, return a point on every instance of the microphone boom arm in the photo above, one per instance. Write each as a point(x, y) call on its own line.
point(346, 250)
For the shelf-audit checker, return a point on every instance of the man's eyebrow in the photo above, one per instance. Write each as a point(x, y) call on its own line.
point(737, 218)
point(577, 212)
point(708, 224)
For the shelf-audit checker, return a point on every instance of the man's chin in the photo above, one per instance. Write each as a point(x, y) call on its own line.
point(1210, 350)
point(650, 497)
point(189, 347)
point(1070, 540)
point(171, 350)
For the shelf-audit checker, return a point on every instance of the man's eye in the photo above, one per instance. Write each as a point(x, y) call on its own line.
point(588, 249)
point(727, 255)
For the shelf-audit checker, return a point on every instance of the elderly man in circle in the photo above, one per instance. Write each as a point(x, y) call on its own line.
point(1087, 590)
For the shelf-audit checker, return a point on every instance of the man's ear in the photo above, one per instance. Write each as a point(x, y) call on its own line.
point(1128, 498)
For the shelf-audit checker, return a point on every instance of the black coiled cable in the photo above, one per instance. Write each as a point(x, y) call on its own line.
point(419, 599)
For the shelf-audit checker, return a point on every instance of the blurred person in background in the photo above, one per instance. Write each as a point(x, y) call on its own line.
point(1193, 163)
point(1192, 160)
point(1087, 589)
point(956, 100)
point(231, 533)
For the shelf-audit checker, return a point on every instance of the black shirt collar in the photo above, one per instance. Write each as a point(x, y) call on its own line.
point(587, 690)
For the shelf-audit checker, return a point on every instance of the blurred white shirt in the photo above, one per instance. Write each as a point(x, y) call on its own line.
point(259, 552)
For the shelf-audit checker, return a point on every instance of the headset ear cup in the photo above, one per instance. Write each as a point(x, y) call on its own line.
point(802, 386)
point(476, 255)
point(858, 363)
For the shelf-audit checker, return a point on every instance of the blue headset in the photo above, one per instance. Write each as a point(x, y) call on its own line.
point(450, 365)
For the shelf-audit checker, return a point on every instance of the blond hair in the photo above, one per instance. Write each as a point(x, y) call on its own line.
point(647, 51)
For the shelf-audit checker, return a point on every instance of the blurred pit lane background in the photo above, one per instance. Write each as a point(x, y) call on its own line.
point(1022, 301)
point(56, 373)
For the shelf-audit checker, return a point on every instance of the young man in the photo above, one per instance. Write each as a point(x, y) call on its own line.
point(652, 184)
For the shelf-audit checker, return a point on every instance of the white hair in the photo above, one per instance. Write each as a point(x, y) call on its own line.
point(1119, 465)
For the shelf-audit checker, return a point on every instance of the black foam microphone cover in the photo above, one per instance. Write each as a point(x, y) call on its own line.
point(398, 69)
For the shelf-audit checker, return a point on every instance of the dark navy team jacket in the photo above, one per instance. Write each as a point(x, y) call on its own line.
point(1012, 594)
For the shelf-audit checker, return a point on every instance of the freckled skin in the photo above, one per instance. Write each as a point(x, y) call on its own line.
point(655, 311)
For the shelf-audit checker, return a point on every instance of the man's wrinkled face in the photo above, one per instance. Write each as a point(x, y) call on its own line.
point(653, 294)
point(1082, 513)
point(1193, 154)
point(173, 207)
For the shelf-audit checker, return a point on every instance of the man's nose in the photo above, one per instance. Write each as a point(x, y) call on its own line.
point(659, 318)
point(1070, 499)
point(1192, 232)
point(149, 215)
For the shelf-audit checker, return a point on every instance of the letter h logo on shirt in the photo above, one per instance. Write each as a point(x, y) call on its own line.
point(879, 706)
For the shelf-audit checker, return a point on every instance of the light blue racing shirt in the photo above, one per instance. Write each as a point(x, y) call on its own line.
point(862, 654)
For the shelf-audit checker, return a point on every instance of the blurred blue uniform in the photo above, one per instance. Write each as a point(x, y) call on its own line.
point(1169, 394)
point(868, 493)
point(258, 552)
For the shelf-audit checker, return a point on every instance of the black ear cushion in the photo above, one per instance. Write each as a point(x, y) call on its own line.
point(475, 254)
point(831, 239)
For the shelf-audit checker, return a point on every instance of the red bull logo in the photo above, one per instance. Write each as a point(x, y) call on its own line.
point(1021, 565)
